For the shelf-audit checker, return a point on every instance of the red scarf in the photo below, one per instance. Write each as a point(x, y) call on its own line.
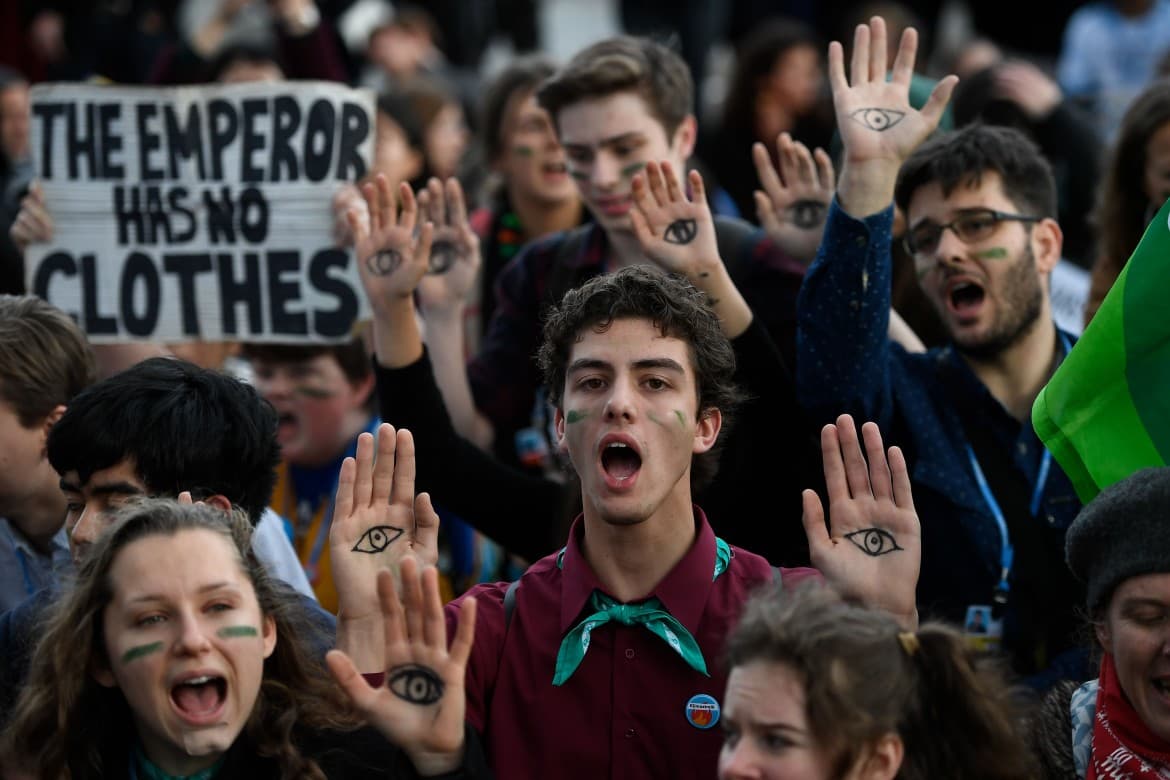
point(1123, 746)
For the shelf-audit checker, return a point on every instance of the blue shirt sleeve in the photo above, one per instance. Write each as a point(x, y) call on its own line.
point(843, 317)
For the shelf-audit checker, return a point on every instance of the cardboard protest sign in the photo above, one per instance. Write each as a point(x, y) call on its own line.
point(200, 212)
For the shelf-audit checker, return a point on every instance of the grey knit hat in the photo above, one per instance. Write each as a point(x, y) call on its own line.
point(1124, 532)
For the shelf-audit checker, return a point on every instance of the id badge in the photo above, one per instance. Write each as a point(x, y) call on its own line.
point(982, 630)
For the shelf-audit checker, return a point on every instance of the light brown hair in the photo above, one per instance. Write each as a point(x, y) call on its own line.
point(624, 64)
point(45, 359)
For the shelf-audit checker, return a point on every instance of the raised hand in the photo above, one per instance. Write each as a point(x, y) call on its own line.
point(873, 548)
point(455, 257)
point(874, 115)
point(378, 523)
point(793, 204)
point(391, 258)
point(421, 704)
point(676, 233)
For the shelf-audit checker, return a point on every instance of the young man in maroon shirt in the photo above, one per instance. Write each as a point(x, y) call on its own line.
point(605, 659)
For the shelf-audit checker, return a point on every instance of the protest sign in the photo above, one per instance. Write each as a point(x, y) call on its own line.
point(199, 212)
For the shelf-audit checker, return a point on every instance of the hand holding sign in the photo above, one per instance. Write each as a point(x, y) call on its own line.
point(455, 257)
point(391, 259)
point(33, 223)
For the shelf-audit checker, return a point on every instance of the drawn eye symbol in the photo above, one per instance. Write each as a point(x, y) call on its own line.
point(377, 539)
point(442, 257)
point(416, 684)
point(681, 231)
point(807, 213)
point(878, 118)
point(874, 541)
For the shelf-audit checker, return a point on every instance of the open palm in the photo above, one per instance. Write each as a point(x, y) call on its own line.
point(874, 116)
point(391, 256)
point(421, 703)
point(872, 549)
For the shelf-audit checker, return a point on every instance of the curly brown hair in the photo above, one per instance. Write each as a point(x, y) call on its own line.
point(64, 720)
point(954, 713)
point(677, 309)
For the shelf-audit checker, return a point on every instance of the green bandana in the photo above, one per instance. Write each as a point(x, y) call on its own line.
point(650, 614)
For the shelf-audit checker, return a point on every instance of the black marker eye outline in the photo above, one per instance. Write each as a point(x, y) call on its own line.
point(681, 231)
point(869, 535)
point(879, 119)
point(404, 681)
point(384, 262)
point(443, 256)
point(377, 538)
point(807, 214)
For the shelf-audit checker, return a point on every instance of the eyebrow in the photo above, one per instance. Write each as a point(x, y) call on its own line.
point(210, 587)
point(584, 364)
point(611, 141)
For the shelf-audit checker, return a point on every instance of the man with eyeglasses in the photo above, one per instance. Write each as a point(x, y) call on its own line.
point(980, 206)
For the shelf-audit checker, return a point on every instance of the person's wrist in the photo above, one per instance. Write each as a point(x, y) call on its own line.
point(430, 763)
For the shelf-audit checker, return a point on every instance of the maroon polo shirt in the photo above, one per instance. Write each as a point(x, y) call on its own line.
point(623, 713)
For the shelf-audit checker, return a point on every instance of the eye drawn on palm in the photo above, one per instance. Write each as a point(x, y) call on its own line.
point(795, 200)
point(391, 258)
point(872, 549)
point(455, 256)
point(378, 522)
point(421, 703)
point(676, 233)
point(874, 116)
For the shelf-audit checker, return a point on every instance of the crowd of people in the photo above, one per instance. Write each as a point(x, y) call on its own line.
point(677, 443)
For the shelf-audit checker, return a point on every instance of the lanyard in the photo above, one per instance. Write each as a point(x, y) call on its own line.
point(1006, 551)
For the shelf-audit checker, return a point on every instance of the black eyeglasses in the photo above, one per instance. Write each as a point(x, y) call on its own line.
point(970, 226)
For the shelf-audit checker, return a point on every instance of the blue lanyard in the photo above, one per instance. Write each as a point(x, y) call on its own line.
point(1006, 551)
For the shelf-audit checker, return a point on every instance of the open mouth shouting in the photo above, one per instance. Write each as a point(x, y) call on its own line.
point(621, 461)
point(964, 297)
point(199, 698)
point(555, 169)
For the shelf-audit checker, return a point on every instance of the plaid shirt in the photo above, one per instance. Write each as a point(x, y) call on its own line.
point(505, 381)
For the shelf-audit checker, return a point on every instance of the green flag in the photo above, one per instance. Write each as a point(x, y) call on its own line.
point(1106, 411)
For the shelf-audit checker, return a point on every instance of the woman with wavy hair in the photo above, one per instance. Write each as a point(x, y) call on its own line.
point(173, 656)
point(1136, 184)
point(820, 689)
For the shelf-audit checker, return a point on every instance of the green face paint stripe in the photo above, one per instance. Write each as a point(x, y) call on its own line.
point(575, 416)
point(995, 253)
point(134, 653)
point(524, 151)
point(313, 392)
point(233, 631)
point(682, 418)
point(630, 170)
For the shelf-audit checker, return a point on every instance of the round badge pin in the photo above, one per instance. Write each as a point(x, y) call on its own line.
point(702, 711)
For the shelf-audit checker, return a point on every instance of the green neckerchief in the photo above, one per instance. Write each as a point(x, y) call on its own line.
point(142, 768)
point(651, 614)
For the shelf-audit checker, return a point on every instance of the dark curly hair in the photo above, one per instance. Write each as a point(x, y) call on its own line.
point(677, 309)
